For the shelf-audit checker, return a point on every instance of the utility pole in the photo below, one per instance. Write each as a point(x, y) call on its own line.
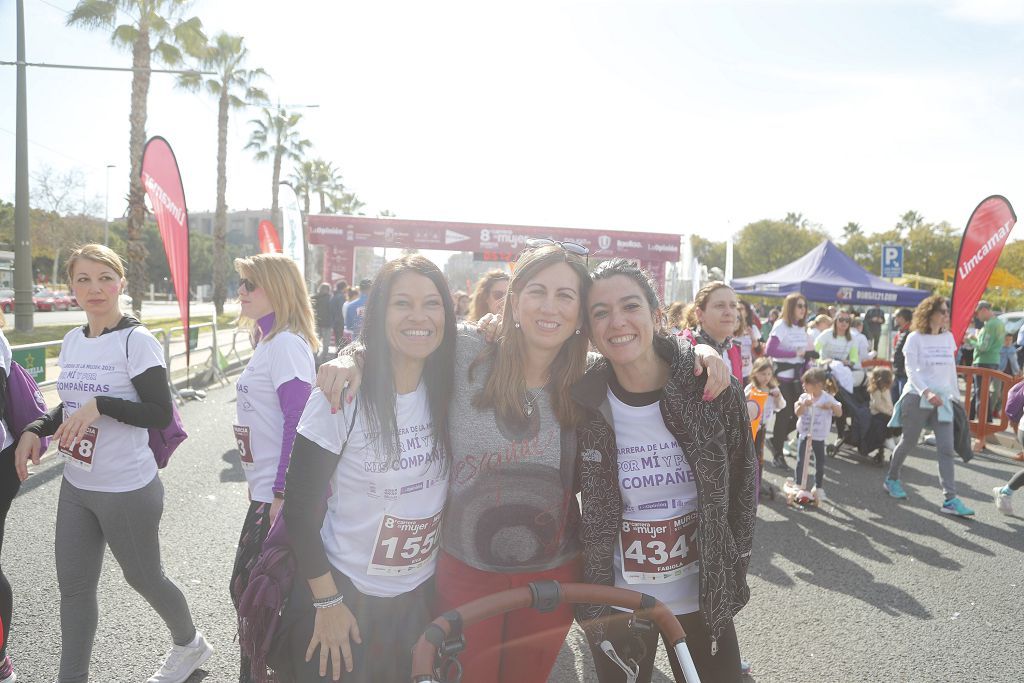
point(106, 209)
point(23, 308)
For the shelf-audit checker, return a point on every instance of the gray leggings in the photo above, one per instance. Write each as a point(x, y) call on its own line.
point(914, 419)
point(87, 521)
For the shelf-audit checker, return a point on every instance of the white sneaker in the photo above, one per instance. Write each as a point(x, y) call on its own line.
point(890, 444)
point(182, 660)
point(1004, 502)
point(819, 494)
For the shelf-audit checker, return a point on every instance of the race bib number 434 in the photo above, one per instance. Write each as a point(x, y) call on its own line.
point(404, 546)
point(83, 452)
point(659, 551)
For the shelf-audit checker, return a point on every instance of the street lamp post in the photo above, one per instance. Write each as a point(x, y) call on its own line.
point(106, 209)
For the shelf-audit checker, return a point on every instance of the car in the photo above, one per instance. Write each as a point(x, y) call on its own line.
point(45, 300)
point(7, 300)
point(1013, 321)
point(63, 301)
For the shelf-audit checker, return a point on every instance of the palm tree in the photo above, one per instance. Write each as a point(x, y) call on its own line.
point(153, 29)
point(347, 204)
point(302, 179)
point(275, 137)
point(226, 56)
point(326, 183)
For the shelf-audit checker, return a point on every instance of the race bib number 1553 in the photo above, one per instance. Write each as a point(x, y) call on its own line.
point(404, 546)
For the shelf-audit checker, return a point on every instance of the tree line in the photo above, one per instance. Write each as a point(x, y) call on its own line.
point(929, 248)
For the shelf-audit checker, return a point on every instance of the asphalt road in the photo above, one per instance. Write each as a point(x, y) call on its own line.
point(866, 589)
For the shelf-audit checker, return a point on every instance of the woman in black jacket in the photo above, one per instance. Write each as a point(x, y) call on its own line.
point(668, 484)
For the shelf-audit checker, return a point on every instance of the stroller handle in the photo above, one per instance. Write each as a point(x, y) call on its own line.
point(545, 595)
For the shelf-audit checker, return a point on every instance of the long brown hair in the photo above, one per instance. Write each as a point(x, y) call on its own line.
point(506, 385)
point(378, 387)
point(923, 314)
point(480, 300)
point(789, 309)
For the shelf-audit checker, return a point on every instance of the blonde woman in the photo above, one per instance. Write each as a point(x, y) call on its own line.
point(113, 389)
point(272, 391)
point(488, 295)
point(789, 346)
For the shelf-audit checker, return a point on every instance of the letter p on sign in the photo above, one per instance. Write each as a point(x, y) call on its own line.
point(892, 260)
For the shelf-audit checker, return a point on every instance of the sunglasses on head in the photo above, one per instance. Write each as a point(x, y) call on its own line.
point(570, 247)
point(249, 285)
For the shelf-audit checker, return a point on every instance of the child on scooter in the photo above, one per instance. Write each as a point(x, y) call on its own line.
point(814, 410)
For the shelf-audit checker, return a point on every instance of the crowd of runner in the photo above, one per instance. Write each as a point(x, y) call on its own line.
point(555, 423)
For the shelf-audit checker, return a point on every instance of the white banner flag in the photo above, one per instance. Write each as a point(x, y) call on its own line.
point(291, 226)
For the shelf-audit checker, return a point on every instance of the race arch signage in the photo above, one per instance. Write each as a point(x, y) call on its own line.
point(495, 241)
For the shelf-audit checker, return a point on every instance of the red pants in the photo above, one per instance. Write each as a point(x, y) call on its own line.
point(516, 647)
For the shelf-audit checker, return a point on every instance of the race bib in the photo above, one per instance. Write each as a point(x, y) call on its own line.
point(244, 446)
point(84, 451)
point(659, 551)
point(404, 546)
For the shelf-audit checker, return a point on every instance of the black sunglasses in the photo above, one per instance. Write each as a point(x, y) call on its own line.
point(249, 285)
point(571, 247)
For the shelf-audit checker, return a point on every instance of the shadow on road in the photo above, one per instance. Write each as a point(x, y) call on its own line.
point(233, 472)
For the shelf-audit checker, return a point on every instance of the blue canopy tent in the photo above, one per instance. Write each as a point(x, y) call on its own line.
point(827, 274)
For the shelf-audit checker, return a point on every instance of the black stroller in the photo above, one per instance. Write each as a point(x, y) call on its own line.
point(858, 431)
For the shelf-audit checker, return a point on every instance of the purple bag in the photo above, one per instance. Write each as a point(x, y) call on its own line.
point(264, 599)
point(1015, 402)
point(25, 402)
point(164, 441)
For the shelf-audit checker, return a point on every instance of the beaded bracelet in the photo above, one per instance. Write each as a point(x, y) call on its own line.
point(336, 599)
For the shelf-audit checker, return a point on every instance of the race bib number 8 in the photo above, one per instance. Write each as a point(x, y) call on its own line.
point(404, 546)
point(84, 451)
point(659, 551)
point(244, 445)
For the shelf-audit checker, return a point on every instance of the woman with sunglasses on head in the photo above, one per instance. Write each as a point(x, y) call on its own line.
point(488, 295)
point(711, 319)
point(364, 587)
point(668, 479)
point(512, 515)
point(789, 346)
point(113, 389)
point(271, 393)
point(927, 400)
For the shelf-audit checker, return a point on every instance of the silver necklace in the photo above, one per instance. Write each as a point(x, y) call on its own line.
point(532, 400)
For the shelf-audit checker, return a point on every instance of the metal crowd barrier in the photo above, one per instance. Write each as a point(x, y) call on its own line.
point(33, 357)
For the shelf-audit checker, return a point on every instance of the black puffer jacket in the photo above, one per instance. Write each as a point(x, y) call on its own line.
point(716, 440)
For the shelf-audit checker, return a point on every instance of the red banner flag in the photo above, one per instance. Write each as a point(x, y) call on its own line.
point(162, 181)
point(983, 241)
point(270, 243)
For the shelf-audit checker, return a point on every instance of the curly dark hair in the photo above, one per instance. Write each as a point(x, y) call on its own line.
point(923, 313)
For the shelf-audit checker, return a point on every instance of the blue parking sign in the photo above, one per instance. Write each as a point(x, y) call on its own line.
point(892, 260)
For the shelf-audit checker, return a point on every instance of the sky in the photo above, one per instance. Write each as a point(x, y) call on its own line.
point(679, 117)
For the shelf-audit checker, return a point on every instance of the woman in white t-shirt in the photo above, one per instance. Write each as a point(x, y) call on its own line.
point(788, 346)
point(364, 587)
point(840, 344)
point(271, 393)
point(113, 389)
point(928, 399)
point(668, 482)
